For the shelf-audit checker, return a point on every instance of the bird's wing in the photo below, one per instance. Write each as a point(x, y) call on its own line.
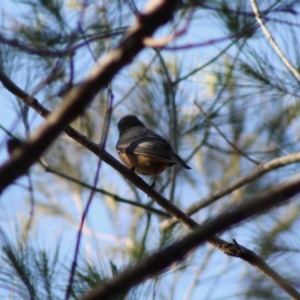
point(152, 146)
point(142, 141)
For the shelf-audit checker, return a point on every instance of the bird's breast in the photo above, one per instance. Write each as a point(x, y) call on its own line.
point(144, 165)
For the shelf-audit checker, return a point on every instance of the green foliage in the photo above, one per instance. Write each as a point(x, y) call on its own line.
point(32, 272)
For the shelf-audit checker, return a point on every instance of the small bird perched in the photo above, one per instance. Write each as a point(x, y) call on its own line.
point(143, 150)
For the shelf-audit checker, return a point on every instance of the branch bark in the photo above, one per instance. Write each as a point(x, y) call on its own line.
point(156, 14)
point(175, 252)
point(272, 42)
point(263, 168)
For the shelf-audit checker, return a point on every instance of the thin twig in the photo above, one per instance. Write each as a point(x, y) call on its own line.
point(223, 135)
point(263, 168)
point(272, 42)
point(91, 196)
point(79, 234)
point(163, 259)
point(104, 192)
point(32, 202)
point(89, 202)
point(145, 235)
point(170, 91)
point(207, 63)
point(205, 43)
point(56, 53)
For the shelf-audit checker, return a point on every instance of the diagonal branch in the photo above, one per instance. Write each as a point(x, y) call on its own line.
point(116, 198)
point(272, 42)
point(68, 51)
point(208, 119)
point(261, 169)
point(163, 259)
point(156, 14)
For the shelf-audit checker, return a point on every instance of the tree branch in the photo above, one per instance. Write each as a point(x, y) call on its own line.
point(272, 42)
point(263, 168)
point(156, 14)
point(208, 119)
point(175, 252)
point(104, 192)
point(56, 53)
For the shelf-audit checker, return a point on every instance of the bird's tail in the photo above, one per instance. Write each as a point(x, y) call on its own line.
point(181, 162)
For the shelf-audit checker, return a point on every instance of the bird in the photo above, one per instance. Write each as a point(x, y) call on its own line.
point(143, 150)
